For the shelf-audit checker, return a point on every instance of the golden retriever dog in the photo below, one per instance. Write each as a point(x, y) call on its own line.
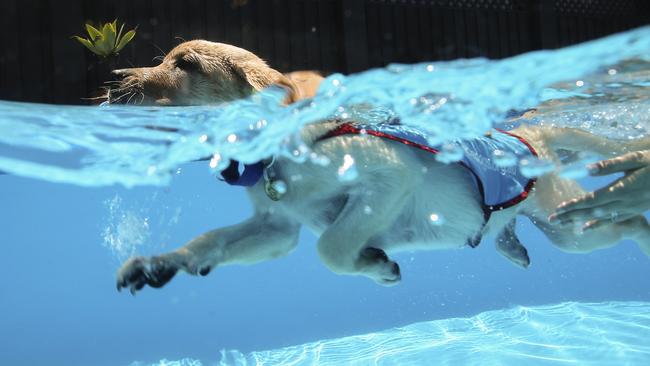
point(399, 198)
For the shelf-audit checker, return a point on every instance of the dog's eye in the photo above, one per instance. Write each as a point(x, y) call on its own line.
point(186, 65)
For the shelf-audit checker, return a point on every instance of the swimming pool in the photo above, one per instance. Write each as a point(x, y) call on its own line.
point(89, 186)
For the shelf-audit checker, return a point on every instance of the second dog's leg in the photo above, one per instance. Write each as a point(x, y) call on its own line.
point(572, 239)
point(550, 191)
point(263, 237)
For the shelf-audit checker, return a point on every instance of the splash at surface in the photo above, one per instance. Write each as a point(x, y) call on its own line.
point(95, 146)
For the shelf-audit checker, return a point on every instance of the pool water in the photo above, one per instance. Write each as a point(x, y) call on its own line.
point(567, 333)
point(87, 187)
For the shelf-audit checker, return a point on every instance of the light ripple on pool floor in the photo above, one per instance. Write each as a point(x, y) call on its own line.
point(609, 333)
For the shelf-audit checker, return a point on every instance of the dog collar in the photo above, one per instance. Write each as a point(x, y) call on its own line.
point(249, 176)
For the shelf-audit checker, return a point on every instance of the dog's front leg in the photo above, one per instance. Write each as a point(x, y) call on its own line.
point(346, 246)
point(262, 237)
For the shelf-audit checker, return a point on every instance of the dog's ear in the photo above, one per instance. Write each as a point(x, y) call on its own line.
point(293, 93)
point(260, 76)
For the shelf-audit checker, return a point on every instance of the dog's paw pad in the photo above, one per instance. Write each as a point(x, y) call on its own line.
point(393, 276)
point(140, 271)
point(379, 267)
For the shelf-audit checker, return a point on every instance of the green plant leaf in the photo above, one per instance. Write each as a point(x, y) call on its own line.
point(93, 32)
point(104, 48)
point(114, 26)
point(128, 36)
point(109, 34)
point(89, 45)
point(119, 36)
point(106, 40)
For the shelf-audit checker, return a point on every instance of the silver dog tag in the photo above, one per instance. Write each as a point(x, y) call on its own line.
point(275, 189)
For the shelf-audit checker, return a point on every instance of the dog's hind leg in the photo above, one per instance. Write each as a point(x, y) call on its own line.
point(265, 236)
point(346, 246)
point(509, 246)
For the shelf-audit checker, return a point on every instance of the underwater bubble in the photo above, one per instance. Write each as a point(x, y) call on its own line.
point(317, 159)
point(348, 170)
point(203, 138)
point(218, 163)
point(436, 219)
point(232, 138)
point(215, 160)
point(450, 153)
point(301, 153)
point(534, 167)
point(429, 102)
point(504, 159)
point(367, 210)
point(126, 230)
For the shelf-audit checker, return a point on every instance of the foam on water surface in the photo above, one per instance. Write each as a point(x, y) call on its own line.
point(572, 333)
point(96, 146)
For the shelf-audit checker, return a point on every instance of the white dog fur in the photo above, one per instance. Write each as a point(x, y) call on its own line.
point(387, 207)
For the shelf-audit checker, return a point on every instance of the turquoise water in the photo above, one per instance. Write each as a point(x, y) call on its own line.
point(611, 333)
point(88, 187)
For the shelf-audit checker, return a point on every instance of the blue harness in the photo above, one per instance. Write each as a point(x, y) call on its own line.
point(500, 186)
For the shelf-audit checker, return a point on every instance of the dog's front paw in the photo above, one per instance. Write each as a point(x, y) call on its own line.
point(376, 265)
point(140, 271)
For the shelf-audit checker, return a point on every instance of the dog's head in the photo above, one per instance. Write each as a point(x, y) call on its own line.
point(196, 73)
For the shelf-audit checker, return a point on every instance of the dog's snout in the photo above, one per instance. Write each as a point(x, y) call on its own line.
point(124, 87)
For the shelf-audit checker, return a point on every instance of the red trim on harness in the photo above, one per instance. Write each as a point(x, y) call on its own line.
point(523, 140)
point(347, 128)
point(531, 182)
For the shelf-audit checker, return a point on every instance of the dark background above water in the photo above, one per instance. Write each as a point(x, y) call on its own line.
point(41, 63)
